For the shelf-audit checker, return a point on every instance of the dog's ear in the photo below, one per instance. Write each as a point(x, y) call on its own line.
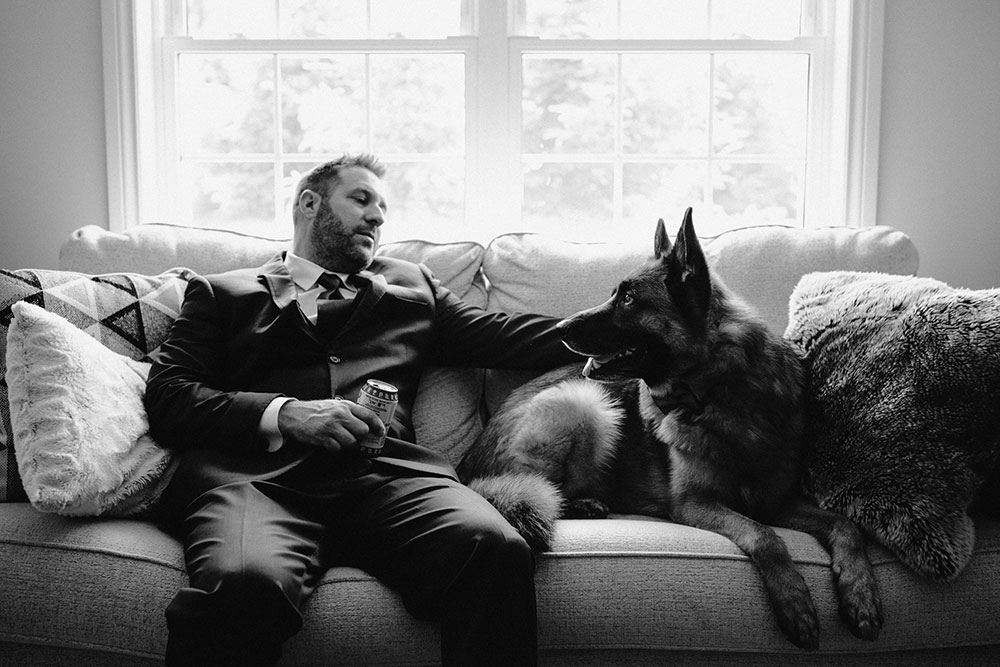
point(661, 242)
point(687, 250)
point(688, 279)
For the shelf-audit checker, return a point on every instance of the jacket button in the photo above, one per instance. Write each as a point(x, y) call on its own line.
point(334, 359)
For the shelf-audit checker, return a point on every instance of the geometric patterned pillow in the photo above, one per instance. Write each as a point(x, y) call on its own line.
point(129, 313)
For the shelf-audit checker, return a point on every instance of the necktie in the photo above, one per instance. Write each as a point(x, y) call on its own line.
point(331, 286)
point(332, 309)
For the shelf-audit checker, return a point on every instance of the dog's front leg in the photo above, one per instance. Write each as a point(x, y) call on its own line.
point(860, 602)
point(787, 590)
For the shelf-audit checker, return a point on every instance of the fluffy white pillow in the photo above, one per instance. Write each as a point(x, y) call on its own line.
point(80, 429)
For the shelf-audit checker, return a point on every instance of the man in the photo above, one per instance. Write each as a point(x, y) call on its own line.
point(255, 387)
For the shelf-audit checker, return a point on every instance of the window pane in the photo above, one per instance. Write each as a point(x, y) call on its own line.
point(665, 120)
point(664, 19)
point(761, 104)
point(426, 200)
point(332, 19)
point(568, 104)
point(652, 191)
point(756, 194)
point(426, 19)
point(556, 19)
point(568, 199)
point(230, 195)
point(222, 19)
point(418, 104)
point(759, 19)
point(323, 104)
point(225, 103)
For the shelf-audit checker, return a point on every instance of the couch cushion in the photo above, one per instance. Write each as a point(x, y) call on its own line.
point(130, 314)
point(154, 248)
point(649, 590)
point(903, 407)
point(446, 416)
point(537, 273)
point(654, 586)
point(543, 274)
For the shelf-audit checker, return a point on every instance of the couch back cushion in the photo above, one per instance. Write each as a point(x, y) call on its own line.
point(446, 415)
point(154, 248)
point(536, 273)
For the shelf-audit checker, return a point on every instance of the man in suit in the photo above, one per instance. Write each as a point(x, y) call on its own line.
point(254, 388)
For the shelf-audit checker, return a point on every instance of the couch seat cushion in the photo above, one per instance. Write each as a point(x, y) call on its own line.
point(635, 586)
point(633, 583)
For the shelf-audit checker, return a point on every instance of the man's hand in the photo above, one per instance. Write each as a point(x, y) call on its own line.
point(334, 424)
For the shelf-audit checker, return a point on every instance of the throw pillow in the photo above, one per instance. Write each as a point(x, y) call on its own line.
point(79, 426)
point(129, 313)
point(903, 424)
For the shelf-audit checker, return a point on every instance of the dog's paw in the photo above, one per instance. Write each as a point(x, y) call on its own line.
point(797, 617)
point(861, 606)
point(585, 508)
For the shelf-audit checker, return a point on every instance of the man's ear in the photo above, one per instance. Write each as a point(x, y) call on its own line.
point(308, 202)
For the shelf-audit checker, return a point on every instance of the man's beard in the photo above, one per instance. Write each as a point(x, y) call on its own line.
point(335, 248)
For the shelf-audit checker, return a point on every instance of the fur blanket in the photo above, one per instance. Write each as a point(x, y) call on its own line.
point(904, 408)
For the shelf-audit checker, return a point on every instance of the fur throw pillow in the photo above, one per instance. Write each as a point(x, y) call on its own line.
point(79, 426)
point(904, 408)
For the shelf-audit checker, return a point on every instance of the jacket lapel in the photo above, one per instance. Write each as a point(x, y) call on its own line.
point(278, 281)
point(275, 276)
point(371, 288)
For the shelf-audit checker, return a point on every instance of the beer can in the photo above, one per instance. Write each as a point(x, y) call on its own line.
point(381, 398)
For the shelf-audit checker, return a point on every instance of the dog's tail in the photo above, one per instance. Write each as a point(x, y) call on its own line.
point(528, 501)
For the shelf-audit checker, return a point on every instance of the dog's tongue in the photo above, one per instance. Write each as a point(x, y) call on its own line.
point(593, 363)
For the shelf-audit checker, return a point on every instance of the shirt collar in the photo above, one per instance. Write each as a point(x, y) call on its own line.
point(305, 273)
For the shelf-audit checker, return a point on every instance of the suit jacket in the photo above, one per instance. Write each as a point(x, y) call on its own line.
point(240, 341)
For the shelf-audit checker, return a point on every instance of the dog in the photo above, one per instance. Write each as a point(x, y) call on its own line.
point(688, 409)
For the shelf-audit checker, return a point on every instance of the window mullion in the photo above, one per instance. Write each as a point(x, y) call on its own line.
point(279, 162)
point(491, 97)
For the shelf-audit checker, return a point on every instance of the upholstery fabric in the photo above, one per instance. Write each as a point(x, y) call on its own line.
point(154, 248)
point(623, 591)
point(80, 431)
point(762, 264)
point(902, 420)
point(130, 314)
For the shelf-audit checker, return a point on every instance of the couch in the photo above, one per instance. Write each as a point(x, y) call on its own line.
point(623, 591)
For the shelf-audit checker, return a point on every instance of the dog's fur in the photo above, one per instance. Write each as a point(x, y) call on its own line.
point(697, 417)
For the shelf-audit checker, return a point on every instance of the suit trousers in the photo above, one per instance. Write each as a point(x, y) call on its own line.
point(255, 550)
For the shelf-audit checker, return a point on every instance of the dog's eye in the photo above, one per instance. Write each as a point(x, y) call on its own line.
point(627, 299)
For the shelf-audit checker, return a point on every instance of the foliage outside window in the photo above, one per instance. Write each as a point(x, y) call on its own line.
point(582, 118)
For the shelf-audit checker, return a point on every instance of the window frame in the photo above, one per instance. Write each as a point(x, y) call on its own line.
point(846, 110)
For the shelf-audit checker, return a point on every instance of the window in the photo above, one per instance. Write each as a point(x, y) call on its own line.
point(582, 118)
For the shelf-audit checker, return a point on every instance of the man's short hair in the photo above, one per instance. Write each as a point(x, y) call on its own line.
point(323, 177)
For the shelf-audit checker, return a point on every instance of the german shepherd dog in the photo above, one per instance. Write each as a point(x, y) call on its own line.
point(688, 409)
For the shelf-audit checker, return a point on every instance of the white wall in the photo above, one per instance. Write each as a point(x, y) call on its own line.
point(939, 165)
point(939, 156)
point(52, 156)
